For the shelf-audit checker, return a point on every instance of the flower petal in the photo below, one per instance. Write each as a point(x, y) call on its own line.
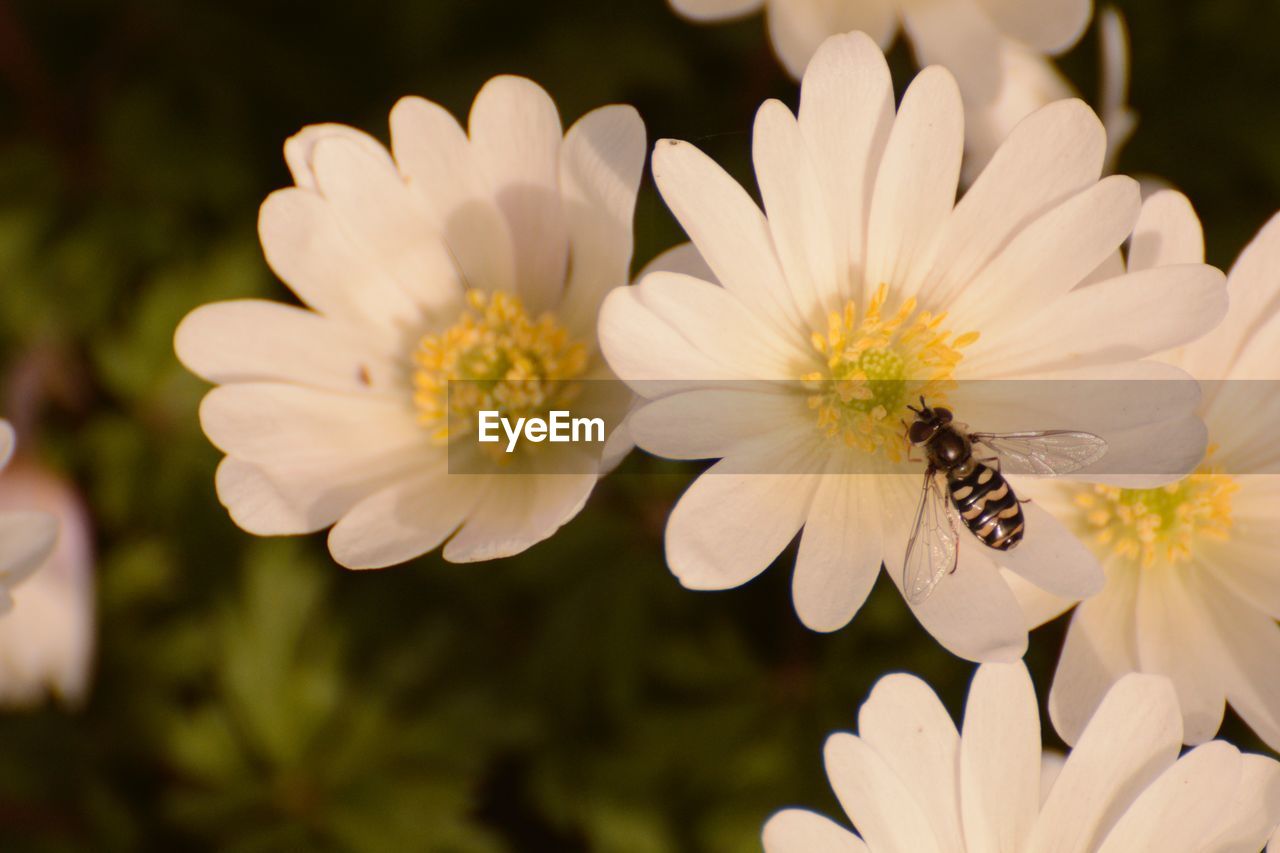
point(601, 162)
point(1100, 648)
point(1183, 808)
point(1038, 606)
point(404, 520)
point(8, 441)
point(798, 27)
point(1051, 762)
point(1244, 563)
point(903, 721)
point(1246, 342)
point(1054, 154)
point(517, 512)
point(1150, 456)
point(971, 612)
point(713, 423)
point(1247, 651)
point(801, 831)
point(846, 112)
point(1254, 809)
point(683, 258)
point(915, 189)
point(1000, 758)
point(1177, 304)
point(648, 354)
point(1174, 640)
point(839, 558)
point(1168, 233)
point(713, 320)
point(285, 425)
point(317, 452)
point(1049, 26)
point(728, 527)
point(884, 810)
point(672, 332)
point(796, 205)
point(959, 37)
point(26, 540)
point(515, 138)
point(307, 247)
point(712, 10)
point(729, 230)
point(1049, 257)
point(253, 340)
point(435, 157)
point(258, 506)
point(1027, 82)
point(1130, 741)
point(1053, 558)
point(300, 148)
point(48, 639)
point(389, 227)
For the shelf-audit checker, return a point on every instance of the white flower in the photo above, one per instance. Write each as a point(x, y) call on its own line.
point(463, 255)
point(867, 269)
point(911, 783)
point(1193, 588)
point(995, 48)
point(47, 640)
point(26, 536)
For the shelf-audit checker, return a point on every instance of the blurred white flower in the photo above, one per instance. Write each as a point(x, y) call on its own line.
point(1113, 102)
point(462, 255)
point(867, 270)
point(912, 784)
point(996, 49)
point(27, 536)
point(1193, 585)
point(47, 641)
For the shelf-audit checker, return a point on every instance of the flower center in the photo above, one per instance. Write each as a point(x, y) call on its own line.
point(875, 366)
point(1149, 525)
point(495, 358)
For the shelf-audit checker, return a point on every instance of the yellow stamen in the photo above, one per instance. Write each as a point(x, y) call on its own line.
point(1161, 525)
point(506, 361)
point(875, 366)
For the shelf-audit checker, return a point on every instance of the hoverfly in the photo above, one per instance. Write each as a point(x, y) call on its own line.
point(978, 492)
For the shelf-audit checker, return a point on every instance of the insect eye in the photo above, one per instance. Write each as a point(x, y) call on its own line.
point(919, 432)
point(943, 415)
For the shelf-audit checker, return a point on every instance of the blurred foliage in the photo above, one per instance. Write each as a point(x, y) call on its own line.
point(250, 695)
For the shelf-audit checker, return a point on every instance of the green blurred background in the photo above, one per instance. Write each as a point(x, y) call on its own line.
point(250, 694)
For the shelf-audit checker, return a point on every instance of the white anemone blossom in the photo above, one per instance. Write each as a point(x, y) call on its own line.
point(477, 255)
point(867, 270)
point(47, 640)
point(1193, 585)
point(27, 536)
point(996, 49)
point(911, 783)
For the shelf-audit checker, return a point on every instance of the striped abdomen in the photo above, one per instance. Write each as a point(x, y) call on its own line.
point(988, 506)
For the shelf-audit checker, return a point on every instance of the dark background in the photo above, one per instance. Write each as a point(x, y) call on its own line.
point(250, 694)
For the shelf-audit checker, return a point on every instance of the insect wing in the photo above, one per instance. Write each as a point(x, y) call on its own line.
point(1052, 452)
point(933, 547)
